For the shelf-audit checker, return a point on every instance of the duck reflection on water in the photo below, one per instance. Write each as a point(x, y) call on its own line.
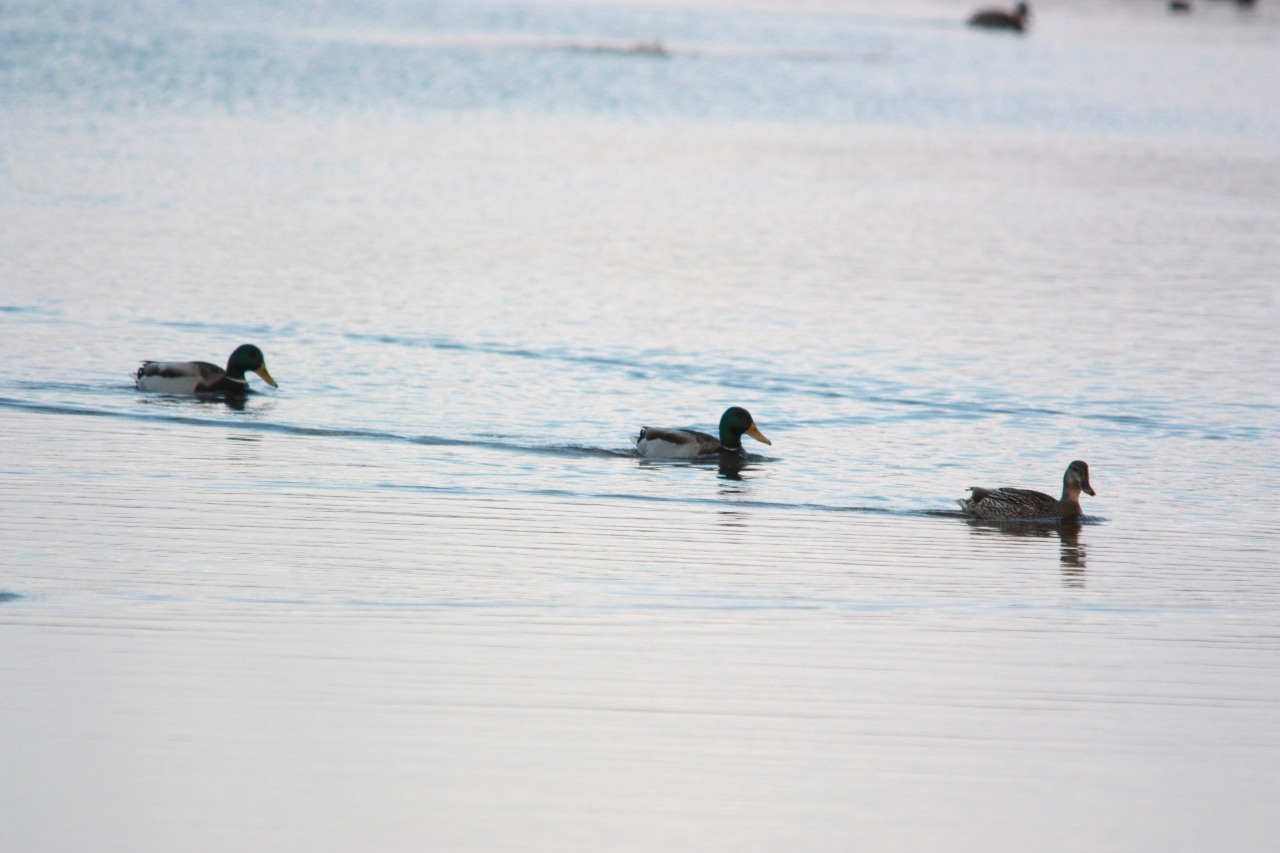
point(1072, 553)
point(726, 467)
point(730, 467)
point(733, 520)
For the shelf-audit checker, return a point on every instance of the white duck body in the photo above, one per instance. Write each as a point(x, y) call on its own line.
point(660, 443)
point(181, 377)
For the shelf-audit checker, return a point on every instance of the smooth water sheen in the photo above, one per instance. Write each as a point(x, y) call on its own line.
point(423, 596)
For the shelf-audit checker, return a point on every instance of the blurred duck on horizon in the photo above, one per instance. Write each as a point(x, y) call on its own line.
point(1001, 19)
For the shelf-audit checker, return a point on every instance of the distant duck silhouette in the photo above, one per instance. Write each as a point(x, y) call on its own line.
point(999, 19)
point(1025, 503)
point(1179, 6)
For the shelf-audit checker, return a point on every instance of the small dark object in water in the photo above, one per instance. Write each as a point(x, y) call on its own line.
point(999, 19)
point(1179, 6)
point(641, 48)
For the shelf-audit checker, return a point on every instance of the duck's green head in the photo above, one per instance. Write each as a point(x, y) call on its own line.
point(1078, 475)
point(733, 424)
point(248, 357)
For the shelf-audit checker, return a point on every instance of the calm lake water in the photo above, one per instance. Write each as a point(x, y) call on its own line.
point(423, 597)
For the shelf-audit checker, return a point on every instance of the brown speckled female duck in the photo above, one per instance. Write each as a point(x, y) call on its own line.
point(1025, 503)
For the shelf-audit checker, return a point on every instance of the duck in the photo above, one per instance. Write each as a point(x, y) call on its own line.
point(1026, 503)
point(1001, 19)
point(664, 443)
point(201, 377)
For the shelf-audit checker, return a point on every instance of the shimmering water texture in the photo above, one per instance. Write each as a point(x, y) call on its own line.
point(424, 595)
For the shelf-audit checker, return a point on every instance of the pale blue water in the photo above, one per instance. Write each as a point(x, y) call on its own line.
point(422, 596)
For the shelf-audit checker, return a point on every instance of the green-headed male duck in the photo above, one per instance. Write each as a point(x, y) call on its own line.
point(660, 443)
point(201, 377)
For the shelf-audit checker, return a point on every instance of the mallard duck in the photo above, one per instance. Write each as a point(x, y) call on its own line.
point(201, 377)
point(660, 443)
point(1000, 19)
point(1025, 503)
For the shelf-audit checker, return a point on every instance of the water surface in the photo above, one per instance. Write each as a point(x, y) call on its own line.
point(423, 596)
